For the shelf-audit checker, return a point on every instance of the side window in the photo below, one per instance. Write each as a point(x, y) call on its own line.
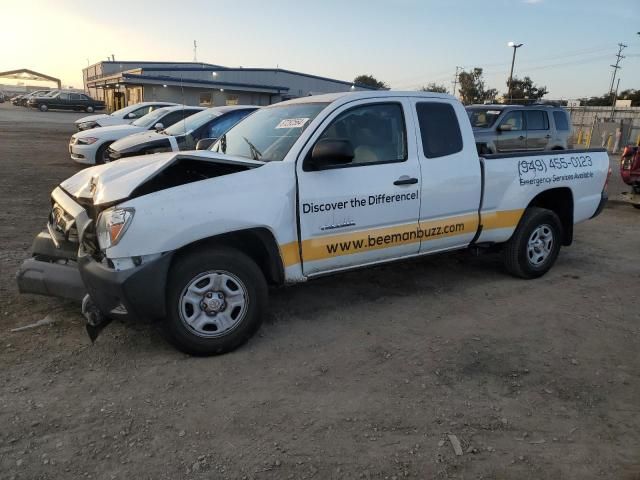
point(537, 120)
point(84, 97)
point(63, 96)
point(561, 121)
point(377, 133)
point(439, 129)
point(173, 117)
point(514, 119)
point(224, 123)
point(75, 96)
point(140, 112)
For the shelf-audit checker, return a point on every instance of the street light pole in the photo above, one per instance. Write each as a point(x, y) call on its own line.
point(515, 46)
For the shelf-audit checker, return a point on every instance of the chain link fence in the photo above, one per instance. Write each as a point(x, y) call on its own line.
point(608, 127)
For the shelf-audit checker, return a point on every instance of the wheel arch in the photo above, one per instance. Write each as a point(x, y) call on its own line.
point(560, 201)
point(258, 243)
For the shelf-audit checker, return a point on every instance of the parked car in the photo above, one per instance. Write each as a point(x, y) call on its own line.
point(516, 128)
point(91, 146)
point(66, 101)
point(24, 99)
point(200, 130)
point(120, 117)
point(298, 190)
point(16, 100)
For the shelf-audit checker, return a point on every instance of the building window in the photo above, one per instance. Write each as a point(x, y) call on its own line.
point(232, 100)
point(206, 99)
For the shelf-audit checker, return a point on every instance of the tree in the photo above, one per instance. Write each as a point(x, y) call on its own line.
point(522, 89)
point(631, 94)
point(370, 81)
point(434, 87)
point(472, 89)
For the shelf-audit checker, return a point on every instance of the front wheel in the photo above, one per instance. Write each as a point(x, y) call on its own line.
point(102, 154)
point(535, 245)
point(89, 109)
point(215, 301)
point(43, 108)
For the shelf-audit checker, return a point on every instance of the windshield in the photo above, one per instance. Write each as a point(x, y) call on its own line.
point(150, 118)
point(483, 117)
point(269, 133)
point(189, 124)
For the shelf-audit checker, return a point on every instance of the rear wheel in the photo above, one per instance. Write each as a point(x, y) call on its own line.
point(215, 301)
point(535, 245)
point(89, 109)
point(43, 108)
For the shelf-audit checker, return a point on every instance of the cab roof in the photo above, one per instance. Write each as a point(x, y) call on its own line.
point(344, 97)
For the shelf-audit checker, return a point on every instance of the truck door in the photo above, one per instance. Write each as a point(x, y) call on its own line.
point(510, 134)
point(538, 132)
point(451, 177)
point(366, 210)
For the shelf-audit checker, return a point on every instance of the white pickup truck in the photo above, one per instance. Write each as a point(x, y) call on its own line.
point(300, 189)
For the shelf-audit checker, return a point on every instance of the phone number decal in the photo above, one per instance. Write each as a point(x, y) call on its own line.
point(553, 169)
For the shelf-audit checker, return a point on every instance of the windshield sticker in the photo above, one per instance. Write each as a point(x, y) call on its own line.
point(292, 123)
point(493, 112)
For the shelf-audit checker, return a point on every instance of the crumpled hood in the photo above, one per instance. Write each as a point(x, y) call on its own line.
point(116, 181)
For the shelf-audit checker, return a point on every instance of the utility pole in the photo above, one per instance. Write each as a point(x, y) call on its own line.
point(515, 47)
point(619, 56)
point(455, 81)
point(615, 97)
point(195, 51)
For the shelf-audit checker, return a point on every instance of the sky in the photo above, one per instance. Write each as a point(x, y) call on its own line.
point(569, 45)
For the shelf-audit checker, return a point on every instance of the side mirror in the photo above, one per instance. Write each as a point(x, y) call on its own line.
point(505, 127)
point(205, 143)
point(330, 152)
point(158, 126)
point(130, 115)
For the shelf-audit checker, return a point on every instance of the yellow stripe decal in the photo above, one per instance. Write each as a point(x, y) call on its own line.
point(504, 219)
point(330, 246)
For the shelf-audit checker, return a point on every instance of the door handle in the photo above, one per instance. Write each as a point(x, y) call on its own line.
point(405, 180)
point(521, 137)
point(341, 225)
point(548, 136)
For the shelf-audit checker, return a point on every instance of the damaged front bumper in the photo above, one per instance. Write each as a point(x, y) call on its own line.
point(134, 293)
point(62, 265)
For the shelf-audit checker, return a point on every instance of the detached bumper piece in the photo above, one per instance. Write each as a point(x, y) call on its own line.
point(51, 271)
point(51, 279)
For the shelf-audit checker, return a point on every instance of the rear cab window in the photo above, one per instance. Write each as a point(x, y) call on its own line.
point(439, 129)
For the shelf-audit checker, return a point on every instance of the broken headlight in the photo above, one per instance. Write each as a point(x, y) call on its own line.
point(112, 225)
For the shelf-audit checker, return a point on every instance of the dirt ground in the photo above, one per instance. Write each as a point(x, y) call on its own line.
point(361, 375)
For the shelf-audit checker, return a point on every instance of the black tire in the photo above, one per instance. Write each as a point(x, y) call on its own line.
point(101, 155)
point(43, 107)
point(635, 205)
point(516, 250)
point(89, 109)
point(214, 259)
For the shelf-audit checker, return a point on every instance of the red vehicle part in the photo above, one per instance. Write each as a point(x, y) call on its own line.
point(630, 165)
point(630, 172)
